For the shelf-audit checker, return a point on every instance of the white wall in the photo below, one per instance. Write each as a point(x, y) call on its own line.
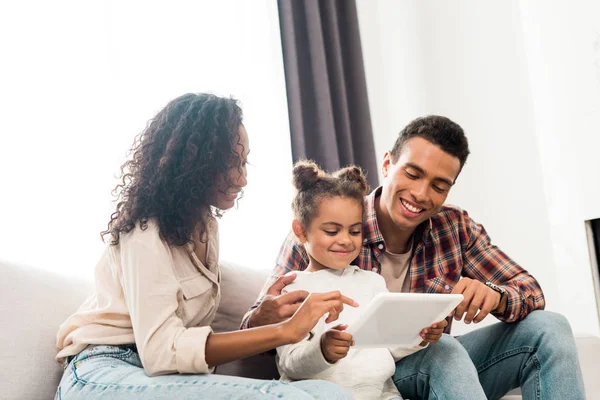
point(80, 79)
point(468, 61)
point(562, 41)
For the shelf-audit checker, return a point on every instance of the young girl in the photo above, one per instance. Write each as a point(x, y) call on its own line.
point(328, 219)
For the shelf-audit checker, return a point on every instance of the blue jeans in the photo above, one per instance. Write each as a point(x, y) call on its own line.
point(537, 354)
point(116, 372)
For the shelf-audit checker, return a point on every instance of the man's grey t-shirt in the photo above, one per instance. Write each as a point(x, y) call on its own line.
point(394, 268)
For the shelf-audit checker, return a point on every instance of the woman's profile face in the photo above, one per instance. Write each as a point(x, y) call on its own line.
point(228, 187)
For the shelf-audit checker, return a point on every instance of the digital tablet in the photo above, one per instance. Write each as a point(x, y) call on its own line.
point(396, 319)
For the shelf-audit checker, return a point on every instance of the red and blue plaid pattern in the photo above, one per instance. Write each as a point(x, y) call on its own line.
point(448, 246)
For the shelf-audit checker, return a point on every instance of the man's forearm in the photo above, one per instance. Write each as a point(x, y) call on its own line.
point(523, 297)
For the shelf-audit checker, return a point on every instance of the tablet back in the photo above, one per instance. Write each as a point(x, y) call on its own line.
point(396, 319)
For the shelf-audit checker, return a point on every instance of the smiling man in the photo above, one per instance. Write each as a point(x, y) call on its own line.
point(420, 245)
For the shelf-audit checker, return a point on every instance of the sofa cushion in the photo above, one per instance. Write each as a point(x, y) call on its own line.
point(240, 287)
point(33, 304)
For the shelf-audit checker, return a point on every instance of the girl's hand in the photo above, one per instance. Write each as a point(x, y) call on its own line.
point(433, 333)
point(335, 344)
point(312, 309)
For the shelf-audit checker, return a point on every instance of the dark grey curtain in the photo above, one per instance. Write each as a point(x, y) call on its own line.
point(325, 80)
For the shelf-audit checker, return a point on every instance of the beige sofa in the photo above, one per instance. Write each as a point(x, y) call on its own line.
point(33, 303)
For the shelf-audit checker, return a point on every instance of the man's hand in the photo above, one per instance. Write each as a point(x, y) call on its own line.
point(276, 307)
point(478, 297)
point(335, 343)
point(433, 333)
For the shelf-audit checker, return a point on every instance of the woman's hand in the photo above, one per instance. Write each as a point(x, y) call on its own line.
point(312, 309)
point(335, 344)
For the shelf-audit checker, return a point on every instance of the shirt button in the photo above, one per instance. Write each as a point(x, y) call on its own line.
point(447, 287)
point(380, 247)
point(374, 270)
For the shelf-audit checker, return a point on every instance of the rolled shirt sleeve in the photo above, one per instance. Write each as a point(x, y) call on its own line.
point(486, 262)
point(190, 351)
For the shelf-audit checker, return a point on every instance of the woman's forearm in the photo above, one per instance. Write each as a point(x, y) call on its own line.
point(222, 348)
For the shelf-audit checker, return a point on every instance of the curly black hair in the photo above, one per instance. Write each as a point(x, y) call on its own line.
point(441, 131)
point(173, 165)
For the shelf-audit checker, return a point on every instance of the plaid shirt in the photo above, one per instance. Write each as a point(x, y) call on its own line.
point(447, 246)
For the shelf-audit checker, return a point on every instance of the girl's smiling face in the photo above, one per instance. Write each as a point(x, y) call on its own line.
point(334, 237)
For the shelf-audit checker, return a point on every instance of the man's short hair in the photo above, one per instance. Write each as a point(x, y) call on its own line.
point(441, 131)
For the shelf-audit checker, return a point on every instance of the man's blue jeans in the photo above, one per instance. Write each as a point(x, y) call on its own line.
point(537, 354)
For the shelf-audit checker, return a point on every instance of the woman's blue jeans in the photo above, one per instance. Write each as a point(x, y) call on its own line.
point(116, 372)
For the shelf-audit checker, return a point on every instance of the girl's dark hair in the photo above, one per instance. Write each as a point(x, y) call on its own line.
point(313, 184)
point(173, 166)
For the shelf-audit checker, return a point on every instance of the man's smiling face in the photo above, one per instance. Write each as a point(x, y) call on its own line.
point(416, 186)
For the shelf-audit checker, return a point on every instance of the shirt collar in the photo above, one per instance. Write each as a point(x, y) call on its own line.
point(372, 234)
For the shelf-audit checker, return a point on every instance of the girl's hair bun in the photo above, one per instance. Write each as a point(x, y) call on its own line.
point(305, 174)
point(355, 175)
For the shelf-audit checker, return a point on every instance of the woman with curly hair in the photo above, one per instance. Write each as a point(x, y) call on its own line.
point(157, 284)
